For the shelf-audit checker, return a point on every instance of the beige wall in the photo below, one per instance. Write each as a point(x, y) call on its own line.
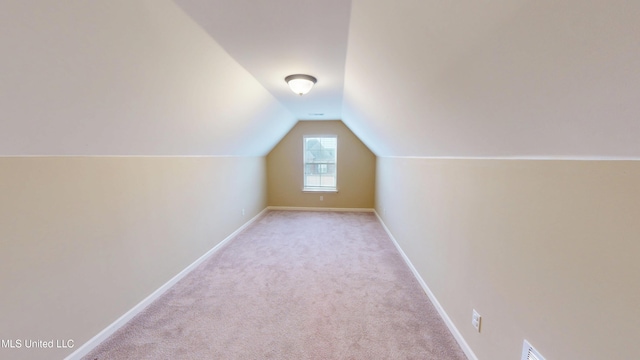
point(84, 239)
point(544, 250)
point(356, 169)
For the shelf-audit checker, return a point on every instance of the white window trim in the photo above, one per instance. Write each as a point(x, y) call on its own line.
point(318, 189)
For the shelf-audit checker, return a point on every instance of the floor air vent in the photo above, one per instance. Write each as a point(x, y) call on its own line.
point(529, 353)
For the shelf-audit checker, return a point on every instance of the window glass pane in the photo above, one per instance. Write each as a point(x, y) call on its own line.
point(320, 155)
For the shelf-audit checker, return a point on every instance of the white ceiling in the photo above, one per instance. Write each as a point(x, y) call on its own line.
point(426, 78)
point(135, 77)
point(505, 78)
point(276, 38)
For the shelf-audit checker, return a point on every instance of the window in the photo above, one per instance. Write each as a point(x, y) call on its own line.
point(320, 158)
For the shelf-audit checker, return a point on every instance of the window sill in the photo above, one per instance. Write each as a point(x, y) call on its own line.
point(319, 190)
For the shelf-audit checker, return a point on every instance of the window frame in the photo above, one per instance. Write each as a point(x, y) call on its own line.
point(316, 189)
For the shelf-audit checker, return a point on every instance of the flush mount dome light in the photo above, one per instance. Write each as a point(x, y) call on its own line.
point(300, 84)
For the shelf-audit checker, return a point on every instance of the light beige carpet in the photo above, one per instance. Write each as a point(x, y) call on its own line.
point(294, 285)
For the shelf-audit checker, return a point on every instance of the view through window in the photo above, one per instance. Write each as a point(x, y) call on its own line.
point(320, 158)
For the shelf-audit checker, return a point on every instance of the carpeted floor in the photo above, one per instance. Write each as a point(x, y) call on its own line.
point(294, 285)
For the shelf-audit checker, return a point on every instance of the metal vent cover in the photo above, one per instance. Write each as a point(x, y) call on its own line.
point(529, 353)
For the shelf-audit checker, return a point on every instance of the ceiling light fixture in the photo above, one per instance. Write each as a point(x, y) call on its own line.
point(300, 84)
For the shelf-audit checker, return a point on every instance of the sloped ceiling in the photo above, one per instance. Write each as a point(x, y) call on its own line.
point(542, 79)
point(134, 77)
point(429, 78)
point(504, 78)
point(276, 38)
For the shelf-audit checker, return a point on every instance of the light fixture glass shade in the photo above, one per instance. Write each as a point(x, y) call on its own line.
point(300, 84)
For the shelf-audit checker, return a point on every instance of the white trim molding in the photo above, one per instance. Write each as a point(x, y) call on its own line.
point(456, 334)
point(298, 208)
point(113, 327)
point(521, 157)
point(123, 156)
point(319, 190)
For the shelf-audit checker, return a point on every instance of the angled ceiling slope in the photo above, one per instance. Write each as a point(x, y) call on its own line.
point(276, 38)
point(507, 78)
point(125, 78)
point(533, 79)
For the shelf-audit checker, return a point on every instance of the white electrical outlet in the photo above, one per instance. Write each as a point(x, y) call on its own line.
point(476, 319)
point(242, 212)
point(321, 198)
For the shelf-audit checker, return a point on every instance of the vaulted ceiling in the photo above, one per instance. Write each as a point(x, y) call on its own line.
point(429, 78)
point(434, 78)
point(502, 78)
point(276, 38)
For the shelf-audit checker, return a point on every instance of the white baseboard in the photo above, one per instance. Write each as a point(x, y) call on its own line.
point(297, 208)
point(111, 329)
point(456, 334)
